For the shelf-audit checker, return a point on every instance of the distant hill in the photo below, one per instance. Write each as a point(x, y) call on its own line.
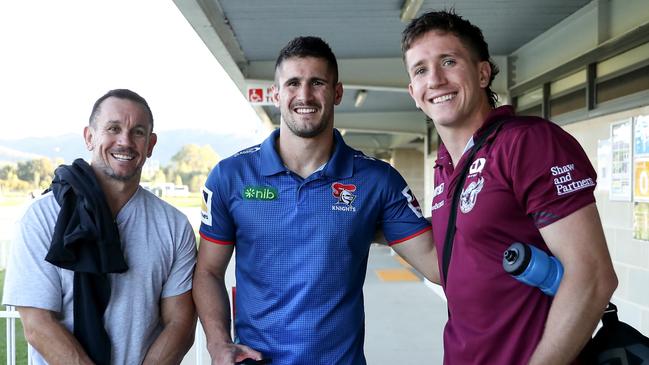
point(11, 155)
point(170, 142)
point(67, 146)
point(71, 146)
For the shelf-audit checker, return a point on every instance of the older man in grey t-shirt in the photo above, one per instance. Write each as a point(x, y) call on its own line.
point(159, 246)
point(149, 316)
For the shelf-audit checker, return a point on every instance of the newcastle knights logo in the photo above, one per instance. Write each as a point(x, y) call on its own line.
point(343, 192)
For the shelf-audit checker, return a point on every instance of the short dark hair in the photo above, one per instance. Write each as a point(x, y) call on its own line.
point(447, 21)
point(120, 94)
point(308, 47)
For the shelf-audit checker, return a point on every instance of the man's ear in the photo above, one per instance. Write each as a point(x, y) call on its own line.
point(412, 95)
point(338, 89)
point(87, 137)
point(485, 73)
point(152, 141)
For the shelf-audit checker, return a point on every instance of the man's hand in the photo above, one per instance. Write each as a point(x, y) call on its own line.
point(230, 353)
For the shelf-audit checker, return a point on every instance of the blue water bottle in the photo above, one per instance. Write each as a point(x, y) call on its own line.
point(533, 267)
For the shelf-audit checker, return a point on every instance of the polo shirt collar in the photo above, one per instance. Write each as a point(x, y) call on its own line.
point(502, 112)
point(271, 163)
point(442, 156)
point(340, 165)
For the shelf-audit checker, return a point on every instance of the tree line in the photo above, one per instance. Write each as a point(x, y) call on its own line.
point(189, 166)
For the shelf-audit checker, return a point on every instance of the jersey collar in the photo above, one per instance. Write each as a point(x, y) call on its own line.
point(500, 113)
point(340, 165)
point(495, 115)
point(271, 163)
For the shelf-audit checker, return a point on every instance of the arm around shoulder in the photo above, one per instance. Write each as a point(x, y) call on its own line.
point(420, 252)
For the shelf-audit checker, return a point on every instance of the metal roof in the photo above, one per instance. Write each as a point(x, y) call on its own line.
point(245, 37)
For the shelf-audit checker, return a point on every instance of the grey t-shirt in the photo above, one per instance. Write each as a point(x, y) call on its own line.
point(159, 247)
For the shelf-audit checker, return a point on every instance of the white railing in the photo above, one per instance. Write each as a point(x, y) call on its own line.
point(199, 350)
point(11, 315)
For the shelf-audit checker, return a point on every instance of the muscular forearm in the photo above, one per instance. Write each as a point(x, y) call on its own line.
point(573, 316)
point(51, 339)
point(171, 345)
point(427, 266)
point(178, 317)
point(586, 287)
point(420, 252)
point(213, 305)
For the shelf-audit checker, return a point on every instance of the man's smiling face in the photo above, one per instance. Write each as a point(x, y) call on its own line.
point(446, 81)
point(306, 92)
point(120, 139)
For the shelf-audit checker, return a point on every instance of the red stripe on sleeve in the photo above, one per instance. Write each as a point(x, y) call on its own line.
point(226, 243)
point(411, 236)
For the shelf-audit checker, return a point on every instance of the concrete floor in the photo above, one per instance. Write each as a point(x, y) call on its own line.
point(404, 320)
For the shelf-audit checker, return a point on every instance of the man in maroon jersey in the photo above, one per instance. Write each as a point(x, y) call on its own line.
point(531, 182)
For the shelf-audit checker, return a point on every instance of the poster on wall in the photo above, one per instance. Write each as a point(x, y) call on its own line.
point(641, 136)
point(621, 161)
point(641, 179)
point(641, 221)
point(604, 164)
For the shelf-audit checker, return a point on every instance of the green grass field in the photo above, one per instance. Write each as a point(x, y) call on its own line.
point(12, 199)
point(189, 201)
point(21, 344)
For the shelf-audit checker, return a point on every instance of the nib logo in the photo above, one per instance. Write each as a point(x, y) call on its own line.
point(259, 193)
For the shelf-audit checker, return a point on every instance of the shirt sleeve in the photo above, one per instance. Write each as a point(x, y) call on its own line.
point(179, 280)
point(551, 174)
point(217, 225)
point(30, 280)
point(401, 218)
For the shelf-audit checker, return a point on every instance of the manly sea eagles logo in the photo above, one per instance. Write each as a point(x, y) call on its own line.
point(343, 192)
point(470, 194)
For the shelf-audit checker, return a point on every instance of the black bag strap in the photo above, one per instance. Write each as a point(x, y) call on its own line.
point(610, 314)
point(450, 228)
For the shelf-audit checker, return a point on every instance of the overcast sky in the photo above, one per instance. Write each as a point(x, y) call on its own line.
point(58, 57)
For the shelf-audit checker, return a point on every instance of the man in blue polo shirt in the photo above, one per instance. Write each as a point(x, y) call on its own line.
point(301, 209)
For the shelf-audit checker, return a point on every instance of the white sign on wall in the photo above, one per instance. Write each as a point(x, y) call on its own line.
point(621, 169)
point(604, 164)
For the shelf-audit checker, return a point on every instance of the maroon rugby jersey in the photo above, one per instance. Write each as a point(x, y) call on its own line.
point(528, 175)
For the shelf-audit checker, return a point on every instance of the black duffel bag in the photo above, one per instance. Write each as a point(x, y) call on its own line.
point(616, 343)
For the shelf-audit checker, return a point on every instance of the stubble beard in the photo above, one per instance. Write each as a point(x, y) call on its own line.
point(309, 131)
point(109, 172)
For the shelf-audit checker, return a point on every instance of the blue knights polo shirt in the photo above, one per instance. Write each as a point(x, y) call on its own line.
point(302, 246)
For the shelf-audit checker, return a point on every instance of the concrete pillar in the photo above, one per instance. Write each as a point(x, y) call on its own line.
point(410, 163)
